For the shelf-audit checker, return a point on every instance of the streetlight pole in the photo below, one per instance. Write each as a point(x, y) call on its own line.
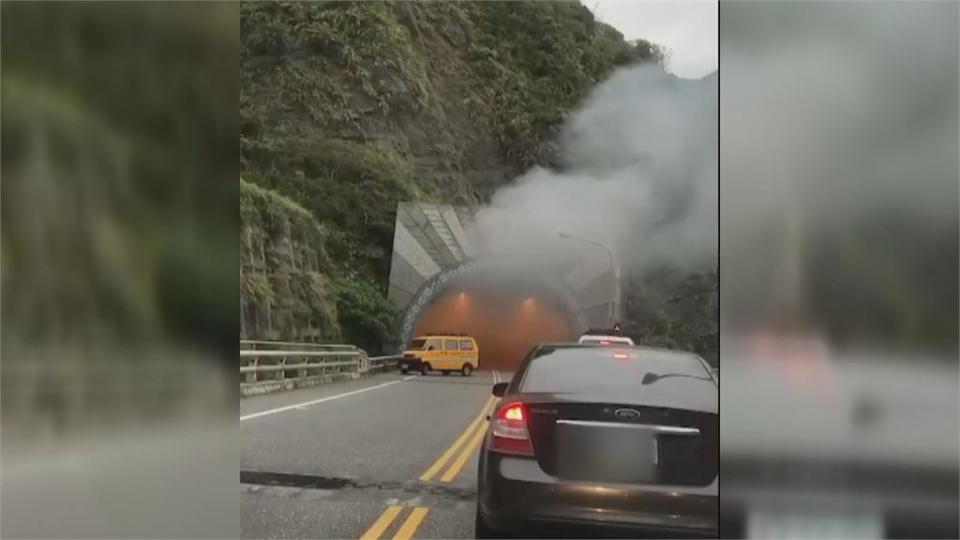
point(614, 271)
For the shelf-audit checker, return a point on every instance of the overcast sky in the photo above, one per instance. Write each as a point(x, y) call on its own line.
point(688, 28)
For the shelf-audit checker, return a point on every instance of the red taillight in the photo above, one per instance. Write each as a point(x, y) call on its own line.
point(514, 412)
point(604, 342)
point(509, 431)
point(621, 355)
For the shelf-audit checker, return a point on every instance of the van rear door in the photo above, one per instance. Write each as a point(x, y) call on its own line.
point(469, 352)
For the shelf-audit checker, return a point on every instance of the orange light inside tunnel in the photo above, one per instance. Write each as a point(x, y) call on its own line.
point(504, 334)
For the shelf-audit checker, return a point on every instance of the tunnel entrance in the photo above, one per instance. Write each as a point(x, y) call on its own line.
point(507, 316)
point(510, 300)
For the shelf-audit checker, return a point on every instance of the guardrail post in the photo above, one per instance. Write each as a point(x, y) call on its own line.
point(252, 376)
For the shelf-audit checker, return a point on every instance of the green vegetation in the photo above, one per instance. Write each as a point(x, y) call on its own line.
point(535, 61)
point(354, 188)
point(675, 310)
point(285, 288)
point(348, 108)
point(366, 315)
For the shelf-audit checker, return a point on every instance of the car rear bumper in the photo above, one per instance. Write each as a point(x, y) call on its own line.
point(517, 496)
point(901, 514)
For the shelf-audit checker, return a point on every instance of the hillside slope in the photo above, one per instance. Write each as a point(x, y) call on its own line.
point(349, 107)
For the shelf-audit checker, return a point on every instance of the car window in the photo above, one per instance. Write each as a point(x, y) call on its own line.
point(605, 370)
point(466, 345)
point(451, 345)
point(433, 345)
point(417, 344)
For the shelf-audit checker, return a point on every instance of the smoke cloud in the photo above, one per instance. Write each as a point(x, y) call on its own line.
point(638, 173)
point(839, 255)
point(839, 156)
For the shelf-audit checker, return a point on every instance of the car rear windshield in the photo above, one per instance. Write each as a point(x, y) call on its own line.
point(613, 370)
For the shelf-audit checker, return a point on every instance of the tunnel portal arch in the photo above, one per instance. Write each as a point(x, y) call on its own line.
point(435, 246)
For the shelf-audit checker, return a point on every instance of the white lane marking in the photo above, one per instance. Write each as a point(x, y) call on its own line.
point(314, 402)
point(408, 377)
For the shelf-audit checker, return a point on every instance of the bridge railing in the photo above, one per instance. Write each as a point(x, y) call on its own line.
point(267, 366)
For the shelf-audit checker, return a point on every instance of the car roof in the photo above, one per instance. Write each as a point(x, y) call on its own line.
point(569, 345)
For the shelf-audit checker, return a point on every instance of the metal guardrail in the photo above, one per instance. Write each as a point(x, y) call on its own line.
point(254, 345)
point(267, 366)
point(383, 363)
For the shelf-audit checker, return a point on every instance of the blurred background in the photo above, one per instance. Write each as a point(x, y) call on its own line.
point(839, 250)
point(119, 257)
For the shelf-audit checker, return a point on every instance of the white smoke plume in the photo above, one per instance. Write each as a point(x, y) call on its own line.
point(639, 174)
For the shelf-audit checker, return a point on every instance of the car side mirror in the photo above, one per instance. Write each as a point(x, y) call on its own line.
point(650, 378)
point(500, 389)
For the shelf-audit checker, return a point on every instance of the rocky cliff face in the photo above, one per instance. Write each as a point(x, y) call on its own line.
point(464, 93)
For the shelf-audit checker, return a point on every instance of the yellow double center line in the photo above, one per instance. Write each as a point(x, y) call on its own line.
point(386, 518)
point(474, 433)
point(477, 429)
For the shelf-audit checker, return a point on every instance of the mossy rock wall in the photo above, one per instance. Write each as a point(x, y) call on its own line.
point(285, 289)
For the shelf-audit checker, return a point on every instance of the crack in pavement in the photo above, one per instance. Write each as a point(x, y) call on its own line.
point(304, 481)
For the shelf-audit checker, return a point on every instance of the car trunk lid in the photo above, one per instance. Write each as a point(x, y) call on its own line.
point(621, 442)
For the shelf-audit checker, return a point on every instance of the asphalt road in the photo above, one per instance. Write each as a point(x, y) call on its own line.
point(389, 456)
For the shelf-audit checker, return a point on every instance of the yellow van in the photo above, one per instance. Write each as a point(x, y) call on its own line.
point(445, 353)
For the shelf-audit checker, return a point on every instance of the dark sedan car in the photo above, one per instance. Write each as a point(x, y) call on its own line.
point(592, 441)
